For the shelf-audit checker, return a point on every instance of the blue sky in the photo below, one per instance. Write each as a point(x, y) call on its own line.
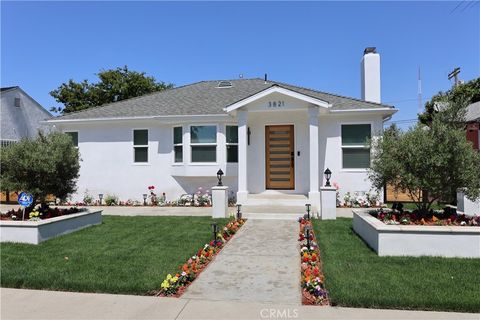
point(313, 44)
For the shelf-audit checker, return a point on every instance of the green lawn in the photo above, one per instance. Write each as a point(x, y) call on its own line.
point(357, 277)
point(129, 255)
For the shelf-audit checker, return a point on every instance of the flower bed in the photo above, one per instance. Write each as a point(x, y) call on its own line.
point(312, 278)
point(177, 284)
point(201, 198)
point(447, 217)
point(417, 240)
point(35, 231)
point(37, 214)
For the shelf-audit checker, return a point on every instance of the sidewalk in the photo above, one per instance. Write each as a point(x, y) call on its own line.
point(141, 210)
point(164, 211)
point(36, 304)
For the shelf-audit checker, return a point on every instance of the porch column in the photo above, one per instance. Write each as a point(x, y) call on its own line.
point(242, 118)
point(313, 194)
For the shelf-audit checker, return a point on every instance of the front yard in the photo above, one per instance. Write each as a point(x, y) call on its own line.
point(356, 277)
point(128, 255)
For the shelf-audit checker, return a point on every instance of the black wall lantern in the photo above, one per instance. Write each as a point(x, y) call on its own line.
point(100, 196)
point(248, 135)
point(308, 205)
point(328, 175)
point(219, 177)
point(239, 213)
point(145, 199)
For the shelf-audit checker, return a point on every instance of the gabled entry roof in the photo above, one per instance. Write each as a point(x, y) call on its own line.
point(208, 98)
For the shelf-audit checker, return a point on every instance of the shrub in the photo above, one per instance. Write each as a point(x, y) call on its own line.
point(111, 200)
point(47, 165)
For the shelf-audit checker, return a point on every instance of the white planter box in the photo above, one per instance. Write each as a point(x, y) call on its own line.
point(401, 240)
point(34, 232)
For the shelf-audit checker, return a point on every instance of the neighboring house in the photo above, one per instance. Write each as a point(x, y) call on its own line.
point(473, 124)
point(266, 136)
point(21, 116)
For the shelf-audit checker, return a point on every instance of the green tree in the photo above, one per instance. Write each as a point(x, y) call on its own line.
point(114, 85)
point(435, 160)
point(47, 165)
point(460, 96)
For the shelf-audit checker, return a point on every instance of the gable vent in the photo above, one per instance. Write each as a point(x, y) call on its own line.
point(225, 84)
point(17, 102)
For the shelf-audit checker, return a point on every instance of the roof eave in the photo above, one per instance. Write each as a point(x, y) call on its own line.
point(276, 89)
point(167, 117)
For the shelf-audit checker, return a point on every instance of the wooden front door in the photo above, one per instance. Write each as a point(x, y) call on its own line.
point(279, 157)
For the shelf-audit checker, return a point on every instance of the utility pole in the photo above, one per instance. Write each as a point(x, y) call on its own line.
point(454, 75)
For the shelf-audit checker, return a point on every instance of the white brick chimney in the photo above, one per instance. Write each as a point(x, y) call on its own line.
point(370, 67)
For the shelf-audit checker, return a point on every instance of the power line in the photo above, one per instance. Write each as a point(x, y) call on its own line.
point(469, 5)
point(458, 5)
point(403, 121)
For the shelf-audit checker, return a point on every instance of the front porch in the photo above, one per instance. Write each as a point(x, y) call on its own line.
point(278, 151)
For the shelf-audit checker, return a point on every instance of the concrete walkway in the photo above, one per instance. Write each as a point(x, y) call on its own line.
point(141, 211)
point(36, 304)
point(260, 264)
point(165, 211)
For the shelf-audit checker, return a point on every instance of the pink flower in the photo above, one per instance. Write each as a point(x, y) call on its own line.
point(336, 185)
point(200, 188)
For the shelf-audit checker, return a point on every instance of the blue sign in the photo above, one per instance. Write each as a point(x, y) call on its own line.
point(25, 199)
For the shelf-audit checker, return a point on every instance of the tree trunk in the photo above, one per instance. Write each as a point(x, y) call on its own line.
point(425, 203)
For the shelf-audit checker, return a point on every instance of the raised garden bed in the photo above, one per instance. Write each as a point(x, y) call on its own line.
point(175, 285)
point(417, 240)
point(37, 231)
point(312, 278)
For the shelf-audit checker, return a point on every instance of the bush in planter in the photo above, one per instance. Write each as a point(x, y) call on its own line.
point(46, 165)
point(111, 200)
point(88, 199)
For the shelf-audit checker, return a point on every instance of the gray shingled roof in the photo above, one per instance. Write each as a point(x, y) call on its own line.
point(204, 98)
point(473, 112)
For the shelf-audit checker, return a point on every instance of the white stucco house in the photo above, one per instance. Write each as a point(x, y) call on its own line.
point(266, 136)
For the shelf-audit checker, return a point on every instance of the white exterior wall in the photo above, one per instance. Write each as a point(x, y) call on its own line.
point(330, 148)
point(107, 165)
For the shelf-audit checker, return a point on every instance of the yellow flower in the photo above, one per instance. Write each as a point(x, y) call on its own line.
point(169, 276)
point(165, 284)
point(174, 279)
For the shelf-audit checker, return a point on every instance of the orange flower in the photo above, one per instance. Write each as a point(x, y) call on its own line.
point(185, 267)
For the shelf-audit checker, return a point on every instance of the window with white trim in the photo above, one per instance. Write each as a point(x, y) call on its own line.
point(74, 136)
point(178, 144)
point(140, 146)
point(355, 146)
point(232, 143)
point(203, 143)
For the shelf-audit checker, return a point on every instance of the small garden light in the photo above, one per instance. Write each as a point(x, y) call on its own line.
point(328, 175)
point(239, 213)
point(307, 235)
point(215, 232)
point(145, 199)
point(308, 205)
point(219, 177)
point(100, 196)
